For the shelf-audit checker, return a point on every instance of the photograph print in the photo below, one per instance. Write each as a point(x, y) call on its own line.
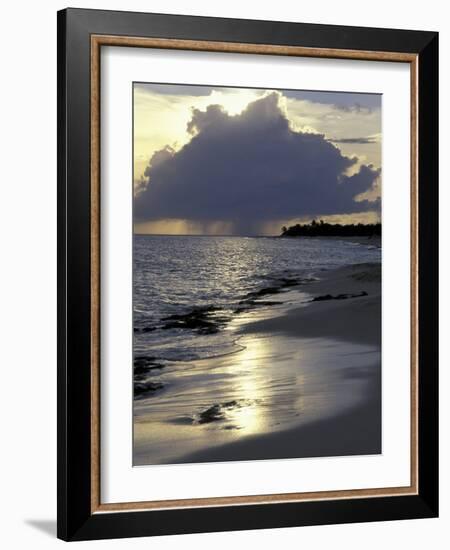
point(256, 274)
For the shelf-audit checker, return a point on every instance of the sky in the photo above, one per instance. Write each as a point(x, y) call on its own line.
point(241, 161)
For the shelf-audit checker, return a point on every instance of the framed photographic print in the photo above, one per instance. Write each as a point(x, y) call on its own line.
point(247, 274)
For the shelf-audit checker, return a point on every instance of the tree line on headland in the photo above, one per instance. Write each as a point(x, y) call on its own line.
point(323, 229)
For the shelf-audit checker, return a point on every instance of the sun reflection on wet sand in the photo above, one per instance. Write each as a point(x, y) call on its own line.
point(272, 384)
point(249, 418)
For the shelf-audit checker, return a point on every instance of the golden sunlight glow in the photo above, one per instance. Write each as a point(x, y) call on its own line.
point(183, 227)
point(161, 120)
point(234, 101)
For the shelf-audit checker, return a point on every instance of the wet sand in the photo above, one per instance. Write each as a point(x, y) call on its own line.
point(355, 432)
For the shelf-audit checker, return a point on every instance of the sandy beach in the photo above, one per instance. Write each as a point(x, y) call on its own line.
point(305, 382)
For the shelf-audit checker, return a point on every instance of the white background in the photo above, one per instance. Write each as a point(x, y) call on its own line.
point(28, 273)
point(120, 482)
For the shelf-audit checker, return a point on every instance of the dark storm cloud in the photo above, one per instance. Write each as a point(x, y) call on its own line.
point(249, 169)
point(359, 140)
point(174, 89)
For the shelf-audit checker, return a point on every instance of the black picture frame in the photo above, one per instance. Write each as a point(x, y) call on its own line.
point(76, 520)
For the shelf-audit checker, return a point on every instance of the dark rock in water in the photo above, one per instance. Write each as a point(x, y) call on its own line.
point(249, 299)
point(212, 414)
point(211, 329)
point(338, 296)
point(323, 298)
point(282, 283)
point(144, 360)
point(217, 411)
point(231, 427)
point(142, 369)
point(265, 291)
point(199, 319)
point(268, 303)
point(148, 362)
point(143, 388)
point(145, 364)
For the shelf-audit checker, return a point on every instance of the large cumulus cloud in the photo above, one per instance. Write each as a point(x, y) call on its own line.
point(249, 169)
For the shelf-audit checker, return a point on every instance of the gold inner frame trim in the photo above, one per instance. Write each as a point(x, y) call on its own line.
point(97, 41)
